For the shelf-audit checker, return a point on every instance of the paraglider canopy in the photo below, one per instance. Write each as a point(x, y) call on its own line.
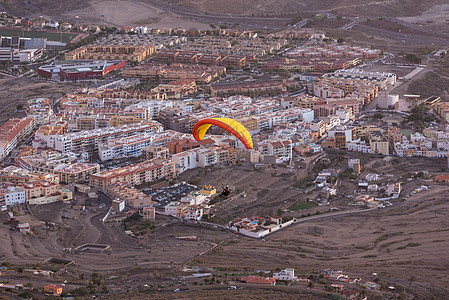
point(230, 125)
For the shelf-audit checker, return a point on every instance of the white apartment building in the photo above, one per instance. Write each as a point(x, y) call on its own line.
point(14, 195)
point(207, 157)
point(172, 208)
point(186, 160)
point(147, 109)
point(359, 146)
point(88, 141)
point(193, 212)
point(281, 148)
point(287, 274)
point(125, 147)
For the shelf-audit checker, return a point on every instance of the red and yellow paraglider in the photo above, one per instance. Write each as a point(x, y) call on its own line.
point(230, 125)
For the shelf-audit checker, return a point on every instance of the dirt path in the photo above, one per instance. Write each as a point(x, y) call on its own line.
point(130, 13)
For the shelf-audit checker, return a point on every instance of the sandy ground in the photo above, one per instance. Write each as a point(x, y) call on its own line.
point(130, 13)
point(394, 242)
point(16, 91)
point(433, 18)
point(160, 248)
point(405, 245)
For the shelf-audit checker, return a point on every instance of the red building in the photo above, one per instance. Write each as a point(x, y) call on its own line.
point(81, 69)
point(178, 146)
point(234, 61)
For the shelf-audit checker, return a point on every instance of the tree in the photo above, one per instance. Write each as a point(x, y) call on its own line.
point(413, 58)
point(310, 285)
point(80, 292)
point(378, 116)
point(340, 40)
point(19, 107)
point(212, 26)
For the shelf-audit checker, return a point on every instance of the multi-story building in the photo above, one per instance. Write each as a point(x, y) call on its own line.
point(116, 121)
point(186, 160)
point(133, 146)
point(75, 173)
point(146, 109)
point(40, 109)
point(88, 141)
point(64, 166)
point(177, 89)
point(38, 189)
point(203, 157)
point(52, 128)
point(359, 74)
point(359, 146)
point(394, 135)
point(14, 195)
point(80, 70)
point(152, 151)
point(177, 146)
point(342, 135)
point(135, 53)
point(17, 175)
point(135, 174)
point(126, 192)
point(355, 165)
point(442, 109)
point(13, 132)
point(124, 147)
point(175, 119)
point(378, 143)
point(167, 73)
point(251, 88)
point(281, 148)
point(131, 94)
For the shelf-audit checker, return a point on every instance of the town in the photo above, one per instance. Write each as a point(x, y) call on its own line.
point(105, 192)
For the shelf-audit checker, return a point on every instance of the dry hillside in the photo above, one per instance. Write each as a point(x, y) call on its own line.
point(45, 7)
point(347, 7)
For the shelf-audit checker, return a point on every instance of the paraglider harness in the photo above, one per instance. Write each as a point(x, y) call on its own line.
point(226, 191)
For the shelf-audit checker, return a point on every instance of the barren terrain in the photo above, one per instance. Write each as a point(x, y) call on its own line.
point(394, 242)
point(17, 91)
point(129, 13)
point(352, 7)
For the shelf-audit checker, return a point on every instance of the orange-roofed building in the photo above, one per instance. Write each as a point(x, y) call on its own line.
point(259, 280)
point(442, 178)
point(12, 132)
point(53, 289)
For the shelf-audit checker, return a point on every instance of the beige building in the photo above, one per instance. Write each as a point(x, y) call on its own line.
point(125, 192)
point(76, 173)
point(152, 151)
point(379, 144)
point(149, 213)
point(39, 189)
point(136, 174)
point(135, 53)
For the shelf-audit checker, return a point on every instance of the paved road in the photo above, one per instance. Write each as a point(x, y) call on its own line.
point(214, 18)
point(348, 26)
point(324, 216)
point(301, 23)
point(405, 37)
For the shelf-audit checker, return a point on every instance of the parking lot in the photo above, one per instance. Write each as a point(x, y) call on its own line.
point(163, 196)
